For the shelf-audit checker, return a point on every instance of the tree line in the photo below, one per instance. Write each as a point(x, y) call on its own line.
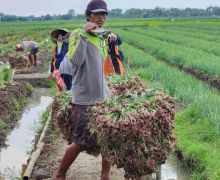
point(118, 13)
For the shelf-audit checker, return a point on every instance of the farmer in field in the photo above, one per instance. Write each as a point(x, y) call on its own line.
point(31, 48)
point(59, 58)
point(87, 51)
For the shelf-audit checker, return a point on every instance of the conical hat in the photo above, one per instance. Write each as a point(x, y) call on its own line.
point(54, 34)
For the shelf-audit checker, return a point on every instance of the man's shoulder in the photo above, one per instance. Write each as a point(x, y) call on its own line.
point(77, 32)
point(74, 36)
point(81, 32)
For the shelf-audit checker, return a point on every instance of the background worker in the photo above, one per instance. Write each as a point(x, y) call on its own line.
point(59, 59)
point(31, 48)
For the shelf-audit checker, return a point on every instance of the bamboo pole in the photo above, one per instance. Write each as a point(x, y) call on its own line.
point(36, 153)
point(32, 162)
point(24, 167)
point(44, 131)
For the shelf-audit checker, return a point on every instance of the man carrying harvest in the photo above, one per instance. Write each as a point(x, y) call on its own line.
point(87, 51)
point(31, 48)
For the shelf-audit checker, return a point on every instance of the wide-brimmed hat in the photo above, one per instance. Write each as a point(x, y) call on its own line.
point(55, 33)
point(97, 6)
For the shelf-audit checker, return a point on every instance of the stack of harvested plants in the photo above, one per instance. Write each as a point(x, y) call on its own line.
point(135, 127)
point(62, 113)
point(19, 62)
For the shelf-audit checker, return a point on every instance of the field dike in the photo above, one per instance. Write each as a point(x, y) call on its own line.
point(13, 100)
point(37, 76)
point(15, 96)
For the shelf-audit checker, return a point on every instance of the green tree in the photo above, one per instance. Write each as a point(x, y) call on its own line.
point(115, 13)
point(71, 13)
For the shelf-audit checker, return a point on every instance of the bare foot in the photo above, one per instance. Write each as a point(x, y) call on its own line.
point(59, 177)
point(105, 178)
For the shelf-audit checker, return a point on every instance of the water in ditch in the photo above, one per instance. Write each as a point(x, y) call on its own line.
point(20, 140)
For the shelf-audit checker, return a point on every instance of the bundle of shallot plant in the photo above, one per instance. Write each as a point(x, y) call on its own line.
point(135, 127)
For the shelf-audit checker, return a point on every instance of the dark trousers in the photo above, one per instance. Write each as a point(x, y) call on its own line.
point(33, 52)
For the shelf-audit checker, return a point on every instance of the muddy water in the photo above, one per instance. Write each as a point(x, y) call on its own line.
point(4, 65)
point(20, 140)
point(1, 64)
point(172, 170)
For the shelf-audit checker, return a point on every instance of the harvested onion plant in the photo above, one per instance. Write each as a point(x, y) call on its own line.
point(62, 113)
point(135, 127)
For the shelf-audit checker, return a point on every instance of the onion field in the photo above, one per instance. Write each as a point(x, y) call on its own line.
point(181, 58)
point(161, 54)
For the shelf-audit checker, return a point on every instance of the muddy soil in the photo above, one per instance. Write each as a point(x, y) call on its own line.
point(43, 62)
point(4, 59)
point(40, 71)
point(29, 70)
point(22, 65)
point(36, 80)
point(12, 101)
point(19, 62)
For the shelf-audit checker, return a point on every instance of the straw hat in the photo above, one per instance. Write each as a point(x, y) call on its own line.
point(54, 34)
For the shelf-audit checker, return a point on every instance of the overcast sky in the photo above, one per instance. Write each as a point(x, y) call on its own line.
point(42, 7)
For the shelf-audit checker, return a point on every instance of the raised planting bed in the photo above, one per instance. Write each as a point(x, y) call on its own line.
point(13, 98)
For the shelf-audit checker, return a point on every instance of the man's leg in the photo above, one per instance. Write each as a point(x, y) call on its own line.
point(35, 59)
point(30, 59)
point(70, 155)
point(106, 170)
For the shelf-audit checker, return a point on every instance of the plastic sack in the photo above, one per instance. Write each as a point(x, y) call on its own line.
point(59, 80)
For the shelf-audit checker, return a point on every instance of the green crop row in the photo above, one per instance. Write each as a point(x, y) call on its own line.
point(197, 125)
point(205, 36)
point(197, 28)
point(50, 25)
point(5, 76)
point(177, 54)
point(200, 44)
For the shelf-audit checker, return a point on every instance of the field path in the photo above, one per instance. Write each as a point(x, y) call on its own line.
point(85, 167)
point(31, 76)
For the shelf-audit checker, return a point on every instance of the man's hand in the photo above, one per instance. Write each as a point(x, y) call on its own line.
point(113, 37)
point(90, 26)
point(51, 76)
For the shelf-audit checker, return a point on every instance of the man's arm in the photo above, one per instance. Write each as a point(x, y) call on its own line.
point(118, 40)
point(114, 38)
